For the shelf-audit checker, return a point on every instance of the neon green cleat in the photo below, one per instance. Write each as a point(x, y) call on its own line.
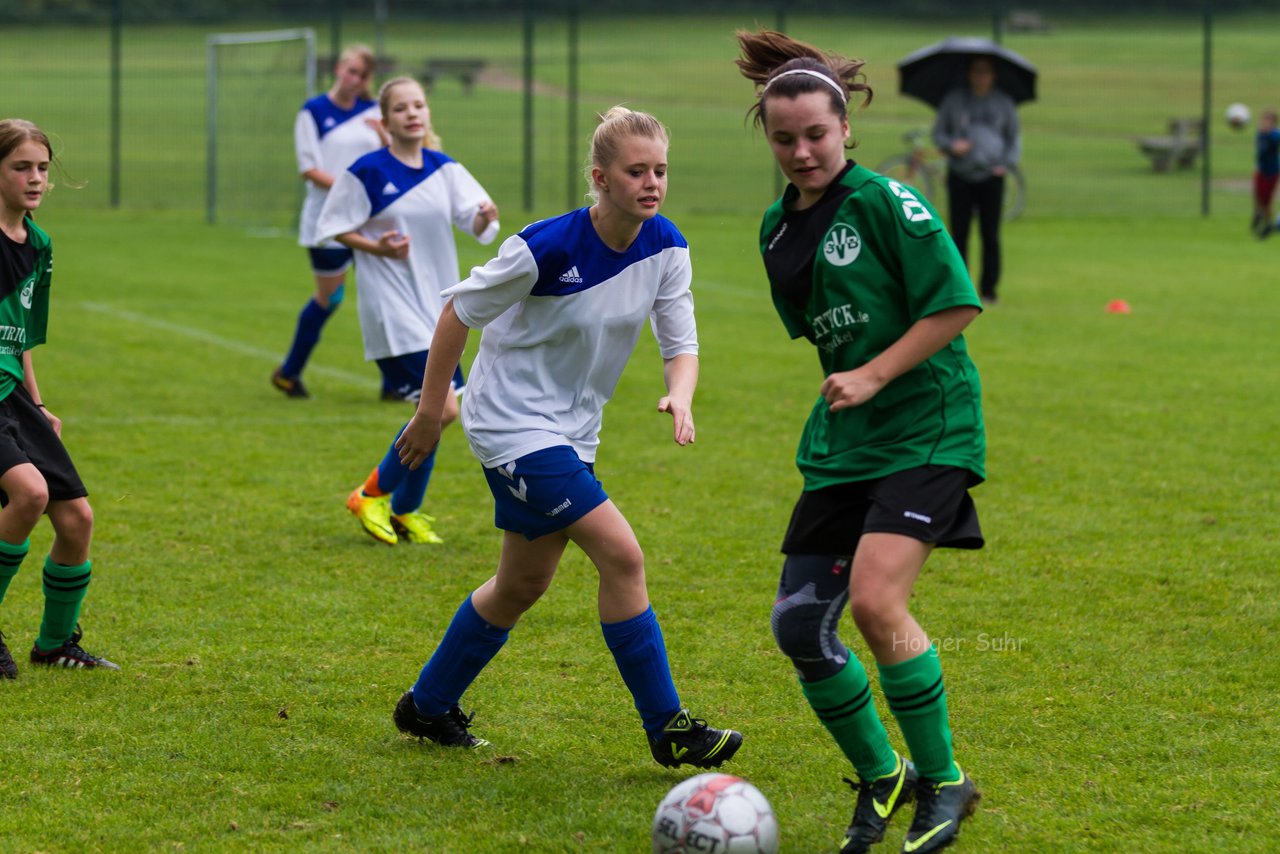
point(374, 515)
point(416, 528)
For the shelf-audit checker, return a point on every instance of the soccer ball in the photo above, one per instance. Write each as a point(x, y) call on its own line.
point(1237, 116)
point(715, 814)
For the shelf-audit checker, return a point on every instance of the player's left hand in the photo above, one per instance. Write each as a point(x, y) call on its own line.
point(847, 389)
point(54, 421)
point(681, 417)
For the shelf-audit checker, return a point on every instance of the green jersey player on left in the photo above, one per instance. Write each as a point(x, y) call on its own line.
point(37, 476)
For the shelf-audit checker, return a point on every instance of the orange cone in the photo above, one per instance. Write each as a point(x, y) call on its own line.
point(1118, 306)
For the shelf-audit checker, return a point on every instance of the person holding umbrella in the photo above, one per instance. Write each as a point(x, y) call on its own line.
point(977, 127)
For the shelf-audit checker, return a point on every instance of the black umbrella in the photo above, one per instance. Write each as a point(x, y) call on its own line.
point(933, 71)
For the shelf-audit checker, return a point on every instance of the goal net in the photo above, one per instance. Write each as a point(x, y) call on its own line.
point(256, 85)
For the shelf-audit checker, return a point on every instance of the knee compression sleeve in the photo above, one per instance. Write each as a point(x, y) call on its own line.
point(812, 595)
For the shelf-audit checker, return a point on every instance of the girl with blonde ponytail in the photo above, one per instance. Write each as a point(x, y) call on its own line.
point(561, 308)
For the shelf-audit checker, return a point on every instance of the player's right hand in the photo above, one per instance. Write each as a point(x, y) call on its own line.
point(394, 244)
point(418, 439)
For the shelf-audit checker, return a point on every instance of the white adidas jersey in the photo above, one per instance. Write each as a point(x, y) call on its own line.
point(399, 301)
point(561, 314)
point(329, 138)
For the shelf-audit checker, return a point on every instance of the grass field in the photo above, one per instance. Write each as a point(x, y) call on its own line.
point(1108, 655)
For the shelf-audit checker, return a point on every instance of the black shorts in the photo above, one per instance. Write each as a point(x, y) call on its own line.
point(929, 503)
point(27, 437)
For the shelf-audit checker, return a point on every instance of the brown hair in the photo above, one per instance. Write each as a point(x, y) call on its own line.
point(14, 132)
point(432, 139)
point(766, 55)
point(618, 123)
point(364, 54)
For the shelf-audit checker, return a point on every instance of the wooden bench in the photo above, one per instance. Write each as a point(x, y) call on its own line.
point(1179, 149)
point(465, 69)
point(1026, 21)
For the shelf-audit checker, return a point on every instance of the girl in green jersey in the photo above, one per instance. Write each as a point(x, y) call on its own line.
point(37, 476)
point(861, 267)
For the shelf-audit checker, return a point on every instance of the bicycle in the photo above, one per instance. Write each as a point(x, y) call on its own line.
point(920, 166)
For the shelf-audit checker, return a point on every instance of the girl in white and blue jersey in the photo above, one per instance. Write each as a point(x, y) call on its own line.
point(331, 131)
point(561, 308)
point(397, 207)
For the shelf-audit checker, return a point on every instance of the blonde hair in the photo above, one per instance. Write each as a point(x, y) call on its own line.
point(767, 56)
point(616, 124)
point(432, 139)
point(364, 54)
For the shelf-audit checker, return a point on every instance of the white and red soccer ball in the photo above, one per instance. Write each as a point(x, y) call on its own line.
point(1238, 116)
point(715, 814)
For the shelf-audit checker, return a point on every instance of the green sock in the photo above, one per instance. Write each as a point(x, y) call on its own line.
point(64, 589)
point(918, 700)
point(844, 705)
point(10, 561)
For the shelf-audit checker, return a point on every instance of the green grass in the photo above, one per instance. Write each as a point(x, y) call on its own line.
point(1108, 655)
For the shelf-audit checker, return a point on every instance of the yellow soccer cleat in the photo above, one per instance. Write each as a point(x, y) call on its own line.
point(374, 515)
point(416, 528)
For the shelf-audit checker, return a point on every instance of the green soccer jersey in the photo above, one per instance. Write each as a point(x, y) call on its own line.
point(851, 274)
point(25, 273)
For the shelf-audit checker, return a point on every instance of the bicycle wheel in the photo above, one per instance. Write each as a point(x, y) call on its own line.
point(1015, 194)
point(901, 169)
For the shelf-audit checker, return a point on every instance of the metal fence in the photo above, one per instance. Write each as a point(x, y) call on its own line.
point(515, 87)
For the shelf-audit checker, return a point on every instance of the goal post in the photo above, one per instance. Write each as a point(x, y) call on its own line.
point(256, 83)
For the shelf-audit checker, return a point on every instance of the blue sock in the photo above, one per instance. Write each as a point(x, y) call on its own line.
point(310, 321)
point(641, 656)
point(408, 496)
point(468, 645)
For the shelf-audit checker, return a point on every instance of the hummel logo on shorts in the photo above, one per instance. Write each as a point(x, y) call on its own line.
point(571, 276)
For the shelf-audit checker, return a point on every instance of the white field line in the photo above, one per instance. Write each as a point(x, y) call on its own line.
point(348, 377)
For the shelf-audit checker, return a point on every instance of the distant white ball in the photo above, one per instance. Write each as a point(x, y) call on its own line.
point(1238, 116)
point(715, 814)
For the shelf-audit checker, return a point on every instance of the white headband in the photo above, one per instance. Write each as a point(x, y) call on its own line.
point(844, 99)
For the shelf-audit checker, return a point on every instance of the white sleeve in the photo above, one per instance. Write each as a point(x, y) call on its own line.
point(346, 208)
point(493, 288)
point(466, 196)
point(306, 143)
point(672, 315)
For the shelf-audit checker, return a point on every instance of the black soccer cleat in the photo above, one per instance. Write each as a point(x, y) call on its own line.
point(940, 807)
point(71, 656)
point(689, 741)
point(291, 386)
point(877, 801)
point(448, 730)
point(8, 667)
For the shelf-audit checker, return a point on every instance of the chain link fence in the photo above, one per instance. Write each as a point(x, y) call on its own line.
point(515, 86)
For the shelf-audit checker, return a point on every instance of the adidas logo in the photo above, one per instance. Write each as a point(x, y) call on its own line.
point(390, 189)
point(571, 276)
point(329, 122)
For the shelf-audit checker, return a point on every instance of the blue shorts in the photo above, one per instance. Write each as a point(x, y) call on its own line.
point(330, 262)
point(403, 374)
point(543, 492)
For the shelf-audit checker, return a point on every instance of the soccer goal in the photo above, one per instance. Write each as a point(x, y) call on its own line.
point(256, 84)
